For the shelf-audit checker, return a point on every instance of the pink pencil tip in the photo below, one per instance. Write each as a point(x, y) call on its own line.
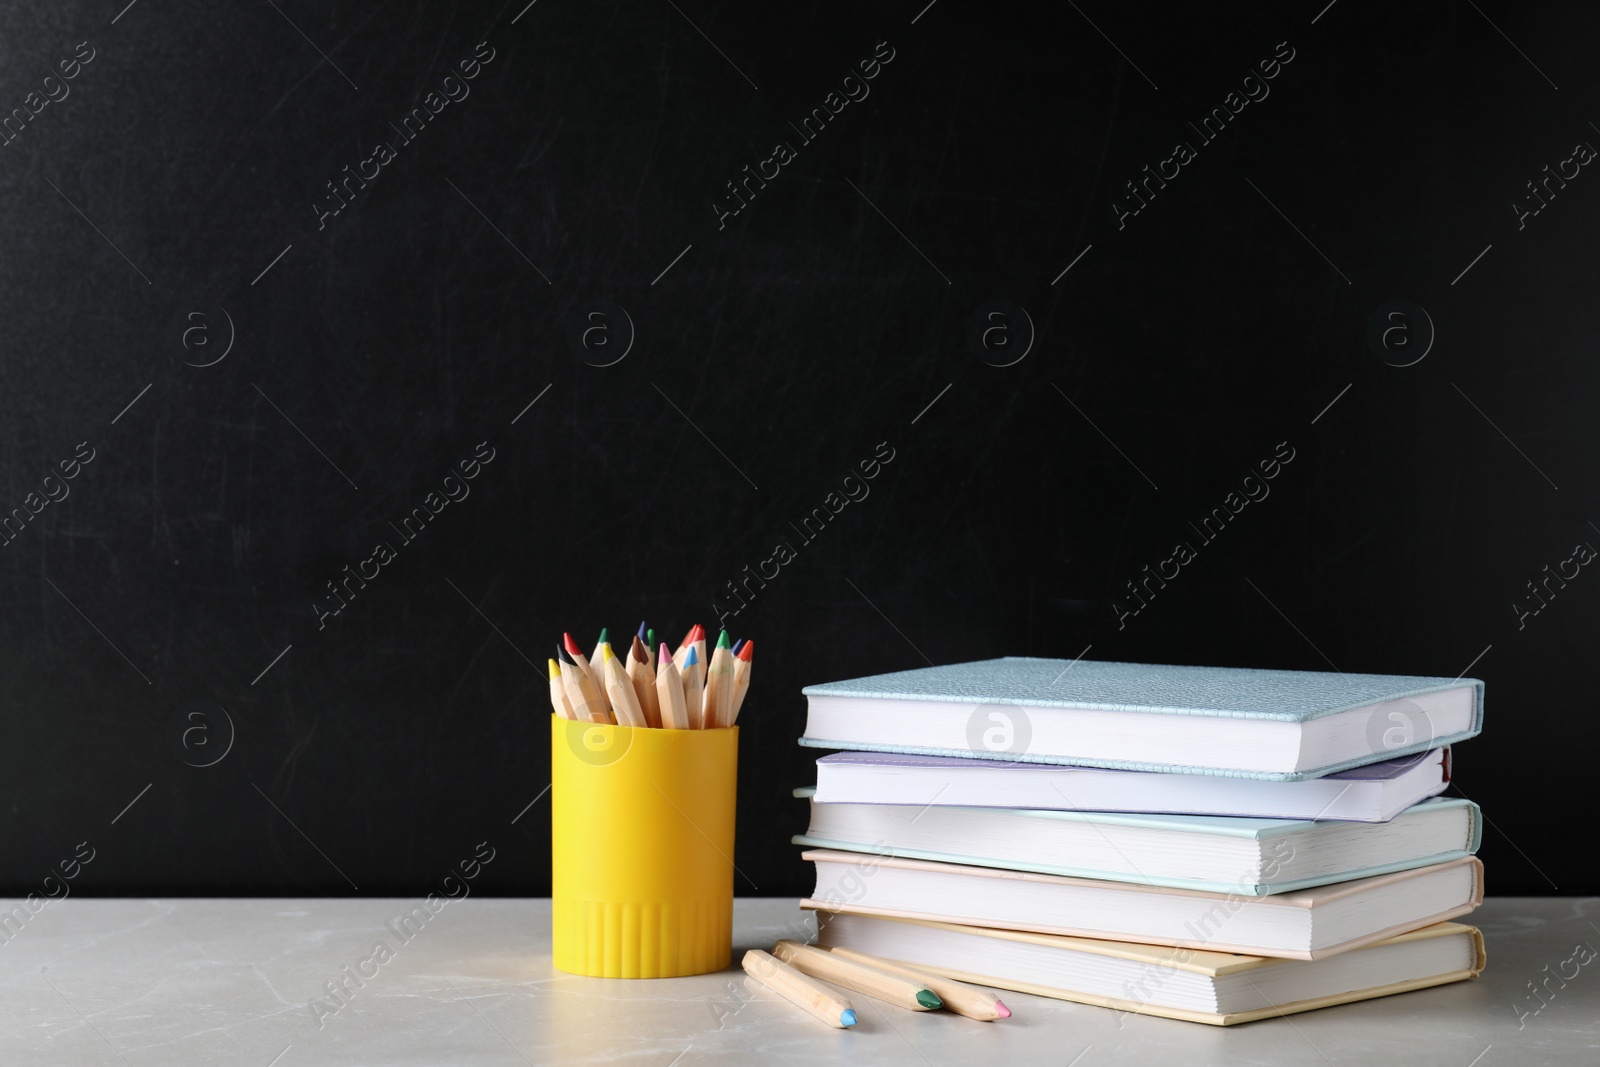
point(1005, 1012)
point(664, 657)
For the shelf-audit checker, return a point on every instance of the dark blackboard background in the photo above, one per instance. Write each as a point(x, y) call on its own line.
point(796, 339)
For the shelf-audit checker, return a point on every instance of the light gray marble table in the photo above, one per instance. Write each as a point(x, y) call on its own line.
point(179, 982)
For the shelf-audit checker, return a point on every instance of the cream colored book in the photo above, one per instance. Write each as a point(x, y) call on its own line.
point(1305, 924)
point(1194, 985)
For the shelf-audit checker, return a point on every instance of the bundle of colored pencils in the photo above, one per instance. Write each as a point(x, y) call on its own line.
point(682, 691)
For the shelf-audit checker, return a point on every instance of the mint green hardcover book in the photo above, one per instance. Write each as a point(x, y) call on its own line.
point(1251, 857)
point(1235, 721)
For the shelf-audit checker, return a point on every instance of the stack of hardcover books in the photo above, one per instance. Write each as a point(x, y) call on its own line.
point(1211, 844)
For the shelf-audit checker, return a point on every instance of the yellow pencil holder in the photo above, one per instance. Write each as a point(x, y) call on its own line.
point(641, 849)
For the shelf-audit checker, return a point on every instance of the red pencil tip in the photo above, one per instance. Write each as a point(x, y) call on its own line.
point(747, 653)
point(572, 646)
point(1005, 1012)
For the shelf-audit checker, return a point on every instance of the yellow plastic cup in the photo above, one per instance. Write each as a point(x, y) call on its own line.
point(641, 849)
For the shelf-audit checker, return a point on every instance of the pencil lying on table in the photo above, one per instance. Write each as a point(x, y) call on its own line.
point(791, 985)
point(893, 989)
point(959, 997)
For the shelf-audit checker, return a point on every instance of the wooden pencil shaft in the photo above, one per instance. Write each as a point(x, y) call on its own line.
point(959, 997)
point(582, 693)
point(694, 699)
point(558, 699)
point(889, 988)
point(797, 988)
point(644, 690)
point(590, 680)
point(669, 690)
point(624, 703)
point(741, 686)
point(719, 690)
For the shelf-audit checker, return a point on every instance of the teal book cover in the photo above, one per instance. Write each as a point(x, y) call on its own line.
point(1223, 693)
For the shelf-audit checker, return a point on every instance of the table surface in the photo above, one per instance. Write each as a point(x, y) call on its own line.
point(177, 982)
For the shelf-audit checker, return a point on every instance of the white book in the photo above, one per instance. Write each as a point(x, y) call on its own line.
point(1374, 793)
point(1307, 924)
point(1256, 857)
point(1178, 983)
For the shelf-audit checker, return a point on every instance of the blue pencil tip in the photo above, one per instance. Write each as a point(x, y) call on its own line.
point(848, 1017)
point(643, 631)
point(691, 659)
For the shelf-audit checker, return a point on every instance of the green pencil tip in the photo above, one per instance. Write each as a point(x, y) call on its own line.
point(651, 640)
point(724, 641)
point(929, 999)
point(605, 636)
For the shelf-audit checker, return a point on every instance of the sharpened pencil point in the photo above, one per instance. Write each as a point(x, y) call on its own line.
point(555, 671)
point(605, 636)
point(847, 1017)
point(644, 634)
point(1005, 1012)
point(650, 639)
point(929, 999)
point(605, 652)
point(748, 652)
point(572, 646)
point(665, 656)
point(723, 640)
point(737, 645)
point(565, 656)
point(691, 659)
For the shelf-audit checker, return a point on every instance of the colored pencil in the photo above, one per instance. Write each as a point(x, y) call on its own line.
point(575, 654)
point(624, 701)
point(694, 691)
point(644, 683)
point(742, 664)
point(669, 693)
point(959, 997)
point(804, 992)
point(683, 648)
point(558, 693)
point(700, 653)
point(581, 690)
point(719, 686)
point(889, 988)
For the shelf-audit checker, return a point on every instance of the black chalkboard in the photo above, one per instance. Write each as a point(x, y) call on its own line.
point(611, 300)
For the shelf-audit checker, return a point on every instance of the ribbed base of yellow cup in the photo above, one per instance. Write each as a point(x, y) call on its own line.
point(607, 939)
